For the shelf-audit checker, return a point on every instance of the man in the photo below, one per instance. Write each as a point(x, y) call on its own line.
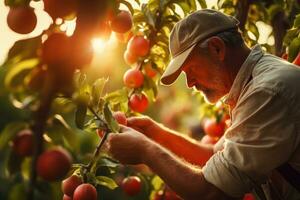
point(260, 150)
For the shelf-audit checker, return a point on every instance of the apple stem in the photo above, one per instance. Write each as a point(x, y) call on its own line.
point(38, 128)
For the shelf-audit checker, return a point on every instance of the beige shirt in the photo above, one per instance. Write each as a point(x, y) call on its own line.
point(265, 130)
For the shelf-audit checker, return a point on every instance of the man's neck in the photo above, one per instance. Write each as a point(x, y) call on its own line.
point(235, 60)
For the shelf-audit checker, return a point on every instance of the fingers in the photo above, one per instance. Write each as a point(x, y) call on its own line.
point(138, 121)
point(124, 128)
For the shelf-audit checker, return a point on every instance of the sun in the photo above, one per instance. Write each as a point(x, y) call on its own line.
point(98, 44)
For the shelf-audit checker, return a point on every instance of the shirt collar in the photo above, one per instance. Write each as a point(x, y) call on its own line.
point(243, 75)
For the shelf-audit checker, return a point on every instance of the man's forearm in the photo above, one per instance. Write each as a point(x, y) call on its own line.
point(185, 179)
point(189, 149)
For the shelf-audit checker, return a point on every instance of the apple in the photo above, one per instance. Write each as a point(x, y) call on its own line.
point(56, 49)
point(297, 60)
point(249, 196)
point(133, 78)
point(284, 56)
point(85, 191)
point(206, 139)
point(66, 197)
point(131, 185)
point(138, 102)
point(70, 184)
point(214, 128)
point(60, 8)
point(138, 45)
point(23, 143)
point(149, 70)
point(122, 22)
point(54, 164)
point(120, 117)
point(100, 132)
point(130, 58)
point(21, 19)
point(168, 195)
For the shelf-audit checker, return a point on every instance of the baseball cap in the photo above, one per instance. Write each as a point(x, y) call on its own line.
point(192, 29)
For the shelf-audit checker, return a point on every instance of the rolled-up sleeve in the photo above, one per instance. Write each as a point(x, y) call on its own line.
point(261, 138)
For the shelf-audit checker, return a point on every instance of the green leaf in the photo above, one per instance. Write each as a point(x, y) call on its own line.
point(202, 4)
point(60, 132)
point(13, 163)
point(192, 4)
point(184, 6)
point(149, 15)
point(97, 89)
point(10, 131)
point(106, 181)
point(15, 76)
point(293, 49)
point(297, 21)
point(274, 9)
point(253, 29)
point(150, 88)
point(111, 122)
point(24, 49)
point(107, 162)
point(80, 115)
point(117, 96)
point(17, 192)
point(138, 17)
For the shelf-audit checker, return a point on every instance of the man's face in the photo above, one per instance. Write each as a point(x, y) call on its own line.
point(206, 75)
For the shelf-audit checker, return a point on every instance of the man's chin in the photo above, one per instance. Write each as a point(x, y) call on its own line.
point(210, 99)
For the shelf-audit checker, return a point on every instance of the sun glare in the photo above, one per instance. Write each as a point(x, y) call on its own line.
point(98, 44)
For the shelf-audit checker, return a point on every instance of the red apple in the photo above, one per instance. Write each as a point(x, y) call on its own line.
point(23, 143)
point(66, 197)
point(21, 19)
point(70, 184)
point(130, 58)
point(168, 195)
point(138, 102)
point(249, 196)
point(149, 70)
point(214, 128)
point(297, 60)
point(132, 185)
point(100, 133)
point(54, 164)
point(206, 139)
point(122, 22)
point(133, 78)
point(85, 191)
point(120, 117)
point(138, 45)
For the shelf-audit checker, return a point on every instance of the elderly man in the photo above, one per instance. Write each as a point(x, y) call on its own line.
point(259, 153)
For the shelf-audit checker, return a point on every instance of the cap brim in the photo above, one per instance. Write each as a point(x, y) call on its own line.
point(173, 70)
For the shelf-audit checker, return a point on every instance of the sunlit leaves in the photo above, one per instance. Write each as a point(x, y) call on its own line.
point(111, 122)
point(15, 76)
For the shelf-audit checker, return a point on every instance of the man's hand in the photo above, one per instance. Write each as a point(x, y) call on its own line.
point(128, 146)
point(145, 125)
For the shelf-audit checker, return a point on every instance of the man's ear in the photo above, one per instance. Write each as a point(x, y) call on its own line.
point(217, 48)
